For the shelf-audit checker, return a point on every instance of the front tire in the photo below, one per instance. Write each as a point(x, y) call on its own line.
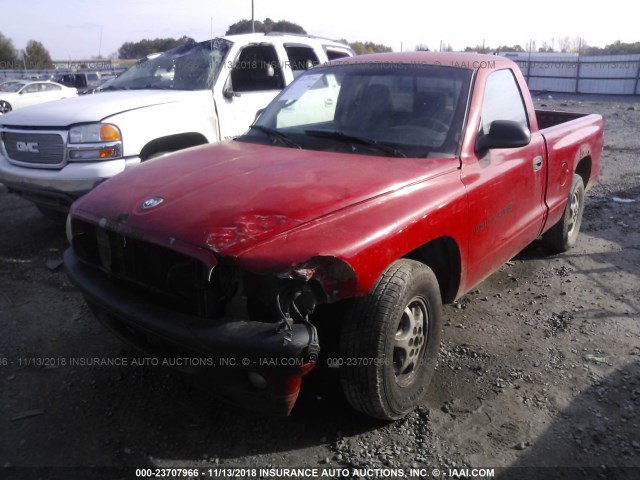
point(390, 342)
point(5, 107)
point(564, 234)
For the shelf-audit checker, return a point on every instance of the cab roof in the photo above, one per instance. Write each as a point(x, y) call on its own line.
point(284, 37)
point(469, 61)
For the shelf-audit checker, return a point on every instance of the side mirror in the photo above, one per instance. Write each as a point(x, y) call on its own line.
point(262, 72)
point(228, 92)
point(503, 134)
point(270, 71)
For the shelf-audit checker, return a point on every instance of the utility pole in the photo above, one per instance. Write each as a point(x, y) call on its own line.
point(253, 18)
point(100, 44)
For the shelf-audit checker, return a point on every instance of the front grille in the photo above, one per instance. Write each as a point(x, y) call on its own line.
point(36, 148)
point(160, 275)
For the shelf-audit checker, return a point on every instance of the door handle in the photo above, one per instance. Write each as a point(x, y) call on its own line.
point(537, 163)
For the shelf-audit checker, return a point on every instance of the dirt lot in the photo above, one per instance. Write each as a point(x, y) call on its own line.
point(540, 366)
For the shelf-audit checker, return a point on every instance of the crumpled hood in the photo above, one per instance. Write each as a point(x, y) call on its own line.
point(228, 197)
point(93, 108)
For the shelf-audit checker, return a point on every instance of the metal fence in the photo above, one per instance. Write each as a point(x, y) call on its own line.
point(611, 74)
point(16, 70)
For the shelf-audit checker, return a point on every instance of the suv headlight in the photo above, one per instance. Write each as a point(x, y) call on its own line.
point(95, 141)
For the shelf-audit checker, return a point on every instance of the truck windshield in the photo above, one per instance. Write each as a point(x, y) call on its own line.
point(399, 109)
point(188, 67)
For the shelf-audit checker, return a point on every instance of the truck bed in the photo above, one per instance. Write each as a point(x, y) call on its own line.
point(569, 138)
point(551, 118)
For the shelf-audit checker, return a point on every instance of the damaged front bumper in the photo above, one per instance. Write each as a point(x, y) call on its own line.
point(250, 363)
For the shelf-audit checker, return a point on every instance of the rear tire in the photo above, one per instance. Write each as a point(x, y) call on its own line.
point(564, 234)
point(390, 342)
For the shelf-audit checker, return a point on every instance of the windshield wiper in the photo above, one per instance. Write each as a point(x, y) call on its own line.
point(276, 134)
point(383, 147)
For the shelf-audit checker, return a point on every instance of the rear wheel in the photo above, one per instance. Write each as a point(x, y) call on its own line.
point(390, 342)
point(564, 234)
point(5, 107)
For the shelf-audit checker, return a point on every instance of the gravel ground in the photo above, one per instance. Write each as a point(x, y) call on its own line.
point(540, 367)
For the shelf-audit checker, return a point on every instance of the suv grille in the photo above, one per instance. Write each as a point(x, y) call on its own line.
point(36, 148)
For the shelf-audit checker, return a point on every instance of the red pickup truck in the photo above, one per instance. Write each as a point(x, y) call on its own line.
point(369, 192)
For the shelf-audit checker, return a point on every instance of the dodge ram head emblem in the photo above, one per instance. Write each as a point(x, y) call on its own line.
point(151, 202)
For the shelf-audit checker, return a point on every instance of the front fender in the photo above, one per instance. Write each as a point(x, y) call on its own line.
point(143, 125)
point(368, 237)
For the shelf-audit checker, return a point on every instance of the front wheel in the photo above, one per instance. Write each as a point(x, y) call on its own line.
point(5, 107)
point(564, 234)
point(390, 342)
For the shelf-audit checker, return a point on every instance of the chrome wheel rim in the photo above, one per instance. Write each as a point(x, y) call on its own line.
point(574, 208)
point(410, 341)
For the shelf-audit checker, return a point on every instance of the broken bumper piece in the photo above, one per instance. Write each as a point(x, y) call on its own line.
point(249, 363)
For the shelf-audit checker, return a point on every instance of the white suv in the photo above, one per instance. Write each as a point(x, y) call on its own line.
point(191, 95)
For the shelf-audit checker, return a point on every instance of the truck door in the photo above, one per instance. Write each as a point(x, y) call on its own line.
point(505, 187)
point(254, 80)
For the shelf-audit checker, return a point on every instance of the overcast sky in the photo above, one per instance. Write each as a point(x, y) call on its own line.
point(72, 28)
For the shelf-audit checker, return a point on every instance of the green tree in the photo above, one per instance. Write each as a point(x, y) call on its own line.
point(244, 26)
point(594, 51)
point(620, 48)
point(362, 48)
point(8, 54)
point(479, 49)
point(134, 50)
point(36, 56)
point(510, 48)
point(486, 49)
point(422, 48)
